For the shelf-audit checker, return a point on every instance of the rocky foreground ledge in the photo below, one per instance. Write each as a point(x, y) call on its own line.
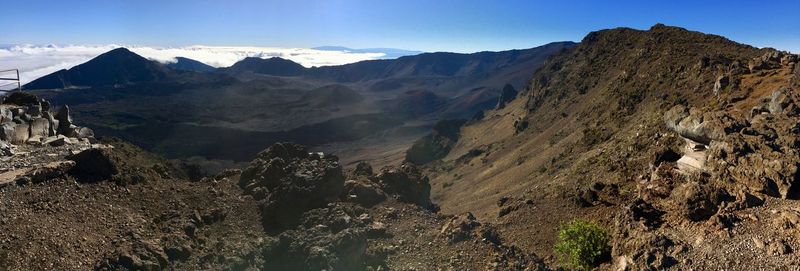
point(71, 202)
point(35, 142)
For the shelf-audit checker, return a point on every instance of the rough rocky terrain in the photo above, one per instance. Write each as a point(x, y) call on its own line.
point(681, 144)
point(110, 205)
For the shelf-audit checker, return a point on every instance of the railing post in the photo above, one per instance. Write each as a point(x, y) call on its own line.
point(12, 79)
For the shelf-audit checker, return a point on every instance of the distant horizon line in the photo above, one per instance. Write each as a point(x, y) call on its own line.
point(319, 48)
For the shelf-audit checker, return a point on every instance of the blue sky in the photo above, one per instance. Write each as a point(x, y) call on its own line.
point(427, 25)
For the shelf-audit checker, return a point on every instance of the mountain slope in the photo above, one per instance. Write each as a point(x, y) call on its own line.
point(271, 66)
point(331, 95)
point(436, 64)
point(274, 97)
point(585, 136)
point(188, 64)
point(118, 66)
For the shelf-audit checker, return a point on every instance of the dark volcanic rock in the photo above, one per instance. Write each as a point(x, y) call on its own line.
point(366, 194)
point(508, 95)
point(330, 238)
point(696, 202)
point(437, 144)
point(21, 98)
point(287, 181)
point(94, 165)
point(363, 169)
point(123, 164)
point(407, 183)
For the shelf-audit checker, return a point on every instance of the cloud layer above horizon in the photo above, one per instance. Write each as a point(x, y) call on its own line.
point(35, 61)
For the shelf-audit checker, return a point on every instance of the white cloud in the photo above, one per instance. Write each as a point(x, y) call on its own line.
point(35, 61)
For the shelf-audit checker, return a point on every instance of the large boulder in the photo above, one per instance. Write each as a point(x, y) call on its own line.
point(407, 183)
point(7, 131)
point(40, 127)
point(94, 165)
point(5, 114)
point(461, 227)
point(15, 133)
point(65, 125)
point(6, 149)
point(780, 101)
point(694, 201)
point(288, 181)
point(363, 192)
point(702, 127)
point(363, 169)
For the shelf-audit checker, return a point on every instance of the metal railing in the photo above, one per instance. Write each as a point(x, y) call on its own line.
point(10, 81)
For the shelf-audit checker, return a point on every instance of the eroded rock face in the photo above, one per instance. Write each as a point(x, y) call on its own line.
point(506, 96)
point(287, 181)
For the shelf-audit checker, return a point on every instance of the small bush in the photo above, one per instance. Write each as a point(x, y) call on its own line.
point(582, 245)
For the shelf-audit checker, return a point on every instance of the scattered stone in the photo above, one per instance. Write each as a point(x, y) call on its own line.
point(778, 248)
point(48, 171)
point(56, 141)
point(758, 243)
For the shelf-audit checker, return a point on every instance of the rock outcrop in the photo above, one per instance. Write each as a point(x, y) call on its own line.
point(25, 118)
point(507, 95)
point(407, 184)
point(437, 144)
point(287, 181)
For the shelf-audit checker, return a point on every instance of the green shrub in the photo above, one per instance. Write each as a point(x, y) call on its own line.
point(582, 245)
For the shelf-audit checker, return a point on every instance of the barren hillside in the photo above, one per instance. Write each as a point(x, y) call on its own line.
point(589, 136)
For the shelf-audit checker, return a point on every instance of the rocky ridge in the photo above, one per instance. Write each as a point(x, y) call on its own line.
point(680, 143)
